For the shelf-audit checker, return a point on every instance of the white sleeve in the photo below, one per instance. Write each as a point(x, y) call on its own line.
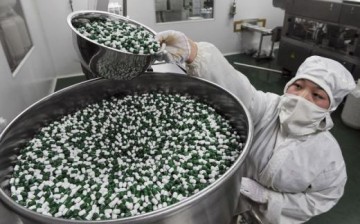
point(285, 208)
point(211, 65)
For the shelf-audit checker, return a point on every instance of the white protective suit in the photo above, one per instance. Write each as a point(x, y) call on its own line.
point(302, 176)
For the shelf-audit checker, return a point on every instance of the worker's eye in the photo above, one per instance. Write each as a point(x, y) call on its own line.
point(297, 86)
point(319, 96)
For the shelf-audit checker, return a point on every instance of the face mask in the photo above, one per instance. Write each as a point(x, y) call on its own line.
point(299, 116)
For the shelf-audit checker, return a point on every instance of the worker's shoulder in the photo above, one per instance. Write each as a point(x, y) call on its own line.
point(271, 100)
point(265, 109)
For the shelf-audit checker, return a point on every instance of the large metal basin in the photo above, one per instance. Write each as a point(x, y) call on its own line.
point(213, 205)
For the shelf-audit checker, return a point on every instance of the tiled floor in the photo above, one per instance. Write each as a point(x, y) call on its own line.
point(347, 211)
point(67, 81)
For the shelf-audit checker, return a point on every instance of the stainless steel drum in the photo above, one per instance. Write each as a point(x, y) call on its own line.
point(103, 61)
point(214, 204)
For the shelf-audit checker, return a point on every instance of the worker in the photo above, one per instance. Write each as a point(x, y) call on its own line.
point(294, 169)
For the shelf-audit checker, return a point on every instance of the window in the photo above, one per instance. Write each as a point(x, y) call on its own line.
point(183, 10)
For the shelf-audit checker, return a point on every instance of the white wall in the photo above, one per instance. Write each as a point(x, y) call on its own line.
point(57, 33)
point(53, 15)
point(34, 78)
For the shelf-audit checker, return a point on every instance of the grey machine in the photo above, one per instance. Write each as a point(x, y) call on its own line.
point(317, 27)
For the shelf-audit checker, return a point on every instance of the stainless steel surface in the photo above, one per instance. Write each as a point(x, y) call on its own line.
point(350, 15)
point(279, 3)
point(325, 28)
point(321, 10)
point(213, 205)
point(105, 61)
point(125, 8)
point(352, 1)
point(164, 67)
point(8, 217)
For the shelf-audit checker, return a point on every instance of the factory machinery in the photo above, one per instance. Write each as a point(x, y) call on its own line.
point(316, 27)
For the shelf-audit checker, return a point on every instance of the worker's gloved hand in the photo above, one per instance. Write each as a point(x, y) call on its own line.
point(253, 190)
point(178, 47)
